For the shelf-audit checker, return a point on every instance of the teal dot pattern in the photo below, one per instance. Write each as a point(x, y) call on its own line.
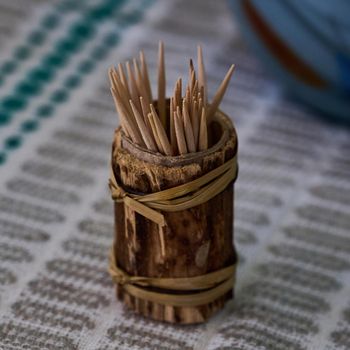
point(38, 77)
point(77, 35)
point(72, 81)
point(4, 119)
point(8, 67)
point(13, 103)
point(28, 88)
point(45, 111)
point(22, 53)
point(29, 126)
point(2, 158)
point(13, 142)
point(51, 21)
point(37, 37)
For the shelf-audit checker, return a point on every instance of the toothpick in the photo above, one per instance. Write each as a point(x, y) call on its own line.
point(145, 75)
point(172, 127)
point(179, 91)
point(130, 126)
point(188, 95)
point(175, 94)
point(110, 76)
point(161, 85)
point(195, 120)
point(200, 102)
point(191, 108)
point(188, 128)
point(127, 117)
point(201, 74)
point(201, 94)
point(161, 133)
point(134, 90)
point(203, 132)
point(219, 94)
point(122, 117)
point(140, 83)
point(118, 86)
point(195, 89)
point(124, 80)
point(192, 82)
point(180, 137)
point(191, 69)
point(145, 110)
point(155, 134)
point(147, 138)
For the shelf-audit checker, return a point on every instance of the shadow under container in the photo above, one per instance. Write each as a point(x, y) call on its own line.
point(182, 272)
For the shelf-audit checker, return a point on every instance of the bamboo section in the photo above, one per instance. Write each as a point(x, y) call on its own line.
point(166, 146)
point(196, 241)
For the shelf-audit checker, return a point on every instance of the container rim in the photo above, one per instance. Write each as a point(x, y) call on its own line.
point(222, 119)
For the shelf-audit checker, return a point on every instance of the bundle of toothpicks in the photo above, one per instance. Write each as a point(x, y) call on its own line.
point(180, 129)
point(174, 163)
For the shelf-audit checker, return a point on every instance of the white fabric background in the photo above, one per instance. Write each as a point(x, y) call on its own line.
point(56, 221)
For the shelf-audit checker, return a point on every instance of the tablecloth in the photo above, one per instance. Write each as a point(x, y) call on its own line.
point(57, 118)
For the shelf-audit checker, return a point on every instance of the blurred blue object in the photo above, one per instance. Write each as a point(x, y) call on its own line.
point(306, 44)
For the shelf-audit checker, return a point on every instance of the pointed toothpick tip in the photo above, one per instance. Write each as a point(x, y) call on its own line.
point(231, 69)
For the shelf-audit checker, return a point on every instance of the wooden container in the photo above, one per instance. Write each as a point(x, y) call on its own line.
point(197, 241)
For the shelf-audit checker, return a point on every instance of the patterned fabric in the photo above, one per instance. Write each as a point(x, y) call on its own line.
point(56, 221)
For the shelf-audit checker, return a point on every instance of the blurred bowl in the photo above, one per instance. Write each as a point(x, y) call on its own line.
point(306, 44)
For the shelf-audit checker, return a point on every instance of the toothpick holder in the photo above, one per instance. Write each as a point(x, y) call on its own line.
point(173, 257)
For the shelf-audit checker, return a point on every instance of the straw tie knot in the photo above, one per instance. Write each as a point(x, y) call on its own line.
point(183, 291)
point(117, 192)
point(119, 277)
